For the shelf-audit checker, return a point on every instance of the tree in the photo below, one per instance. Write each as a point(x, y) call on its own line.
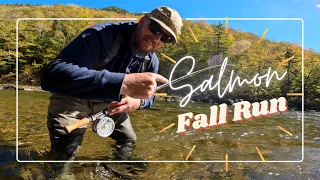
point(291, 71)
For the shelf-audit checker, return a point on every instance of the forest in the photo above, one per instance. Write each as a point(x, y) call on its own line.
point(39, 41)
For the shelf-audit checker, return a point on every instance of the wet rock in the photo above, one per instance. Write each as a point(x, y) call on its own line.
point(8, 87)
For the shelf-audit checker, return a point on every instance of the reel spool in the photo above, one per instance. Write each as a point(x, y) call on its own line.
point(103, 126)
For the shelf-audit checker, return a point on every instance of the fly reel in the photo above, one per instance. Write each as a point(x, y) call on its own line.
point(103, 125)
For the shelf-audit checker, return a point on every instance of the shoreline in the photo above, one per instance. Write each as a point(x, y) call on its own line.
point(20, 87)
point(38, 89)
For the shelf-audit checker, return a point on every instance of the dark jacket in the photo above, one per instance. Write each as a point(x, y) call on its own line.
point(72, 72)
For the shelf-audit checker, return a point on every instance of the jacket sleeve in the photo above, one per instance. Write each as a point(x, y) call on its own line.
point(71, 74)
point(154, 66)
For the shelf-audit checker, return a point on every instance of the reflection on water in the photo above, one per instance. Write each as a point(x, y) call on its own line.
point(238, 140)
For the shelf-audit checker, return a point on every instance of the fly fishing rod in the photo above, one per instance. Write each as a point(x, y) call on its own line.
point(104, 125)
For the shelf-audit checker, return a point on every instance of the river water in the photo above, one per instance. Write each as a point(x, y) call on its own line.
point(238, 140)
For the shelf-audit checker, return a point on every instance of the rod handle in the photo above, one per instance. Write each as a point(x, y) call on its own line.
point(71, 127)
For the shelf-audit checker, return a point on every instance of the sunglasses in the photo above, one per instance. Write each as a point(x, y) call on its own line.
point(156, 29)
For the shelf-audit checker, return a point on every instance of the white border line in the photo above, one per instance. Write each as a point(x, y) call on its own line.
point(246, 19)
point(302, 99)
point(17, 50)
point(263, 19)
point(77, 19)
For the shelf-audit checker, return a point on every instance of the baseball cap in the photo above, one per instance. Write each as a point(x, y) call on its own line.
point(169, 19)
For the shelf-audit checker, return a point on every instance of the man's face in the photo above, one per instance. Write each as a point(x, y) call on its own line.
point(147, 41)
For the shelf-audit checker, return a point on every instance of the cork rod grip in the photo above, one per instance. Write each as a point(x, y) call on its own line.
point(71, 127)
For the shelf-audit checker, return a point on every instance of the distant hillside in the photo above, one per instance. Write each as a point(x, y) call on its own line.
point(41, 41)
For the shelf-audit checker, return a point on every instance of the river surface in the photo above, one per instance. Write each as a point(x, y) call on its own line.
point(238, 140)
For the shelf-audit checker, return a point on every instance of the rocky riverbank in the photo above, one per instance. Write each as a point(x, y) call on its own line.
point(293, 104)
point(20, 87)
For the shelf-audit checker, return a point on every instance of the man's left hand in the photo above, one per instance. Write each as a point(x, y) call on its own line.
point(127, 104)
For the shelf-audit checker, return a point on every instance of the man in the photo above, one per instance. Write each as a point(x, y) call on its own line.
point(102, 64)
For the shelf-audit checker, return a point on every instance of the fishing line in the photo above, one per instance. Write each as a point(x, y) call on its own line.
point(187, 76)
point(104, 125)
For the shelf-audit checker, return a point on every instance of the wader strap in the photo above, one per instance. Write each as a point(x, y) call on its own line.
point(111, 54)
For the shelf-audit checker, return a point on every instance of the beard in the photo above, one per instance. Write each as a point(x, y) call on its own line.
point(137, 48)
point(138, 51)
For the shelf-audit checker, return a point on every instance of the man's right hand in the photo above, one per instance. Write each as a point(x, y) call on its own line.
point(141, 85)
